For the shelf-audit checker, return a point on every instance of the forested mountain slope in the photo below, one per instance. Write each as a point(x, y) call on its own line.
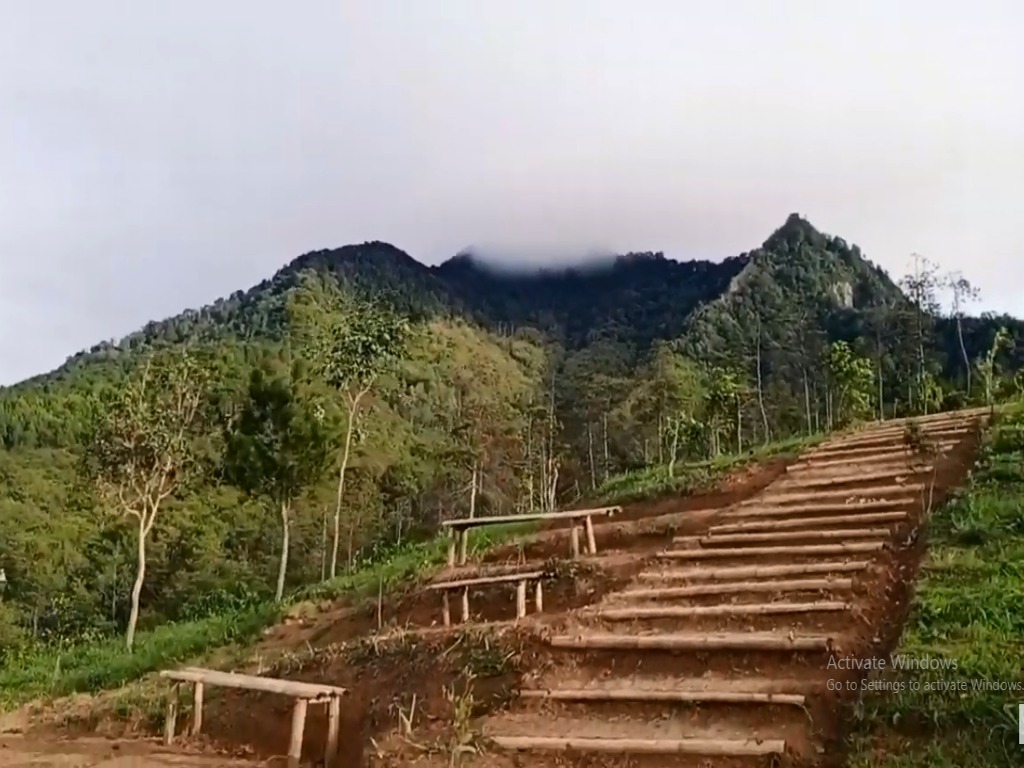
point(511, 392)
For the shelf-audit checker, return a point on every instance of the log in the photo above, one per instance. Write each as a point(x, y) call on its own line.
point(774, 525)
point(869, 494)
point(567, 514)
point(521, 600)
point(794, 549)
point(819, 533)
point(465, 605)
point(298, 732)
point(452, 541)
point(171, 719)
point(197, 708)
point(485, 580)
point(463, 537)
point(538, 596)
point(751, 609)
point(754, 571)
point(574, 540)
point(856, 477)
point(591, 538)
point(312, 691)
point(692, 641)
point(709, 695)
point(333, 730)
point(446, 610)
point(710, 747)
point(798, 510)
point(735, 587)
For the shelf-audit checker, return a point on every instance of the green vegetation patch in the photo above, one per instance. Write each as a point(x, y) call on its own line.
point(968, 611)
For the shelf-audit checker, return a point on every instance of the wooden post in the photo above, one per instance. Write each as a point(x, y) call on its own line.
point(446, 611)
point(538, 597)
point(172, 713)
point(298, 731)
point(465, 604)
point(521, 599)
point(574, 539)
point(197, 708)
point(463, 546)
point(452, 538)
point(591, 539)
point(333, 726)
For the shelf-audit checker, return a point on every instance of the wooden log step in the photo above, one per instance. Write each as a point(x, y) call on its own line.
point(828, 520)
point(867, 456)
point(756, 537)
point(794, 549)
point(675, 695)
point(693, 641)
point(709, 747)
point(736, 587)
point(682, 612)
point(824, 509)
point(703, 573)
point(849, 495)
point(796, 484)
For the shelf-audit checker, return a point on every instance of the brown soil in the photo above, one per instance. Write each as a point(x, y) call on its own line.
point(388, 654)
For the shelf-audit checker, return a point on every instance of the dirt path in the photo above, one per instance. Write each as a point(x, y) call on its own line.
point(718, 652)
point(18, 752)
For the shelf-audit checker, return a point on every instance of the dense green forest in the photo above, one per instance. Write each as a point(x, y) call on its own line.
point(343, 408)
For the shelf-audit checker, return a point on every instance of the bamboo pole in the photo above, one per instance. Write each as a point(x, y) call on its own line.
point(538, 597)
point(774, 525)
point(736, 587)
point(685, 641)
point(751, 609)
point(298, 732)
point(591, 538)
point(767, 536)
point(709, 695)
point(171, 719)
point(754, 571)
point(708, 747)
point(521, 600)
point(333, 730)
point(795, 549)
point(197, 708)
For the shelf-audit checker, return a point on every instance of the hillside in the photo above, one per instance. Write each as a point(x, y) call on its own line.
point(513, 392)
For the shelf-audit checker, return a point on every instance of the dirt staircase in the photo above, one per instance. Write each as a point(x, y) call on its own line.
point(718, 652)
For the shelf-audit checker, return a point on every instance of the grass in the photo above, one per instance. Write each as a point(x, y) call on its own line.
point(655, 481)
point(48, 672)
point(968, 609)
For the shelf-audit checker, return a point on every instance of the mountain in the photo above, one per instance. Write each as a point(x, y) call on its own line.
point(532, 388)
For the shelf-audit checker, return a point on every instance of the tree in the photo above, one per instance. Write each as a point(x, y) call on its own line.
point(963, 294)
point(276, 448)
point(852, 381)
point(351, 343)
point(141, 446)
point(921, 286)
point(987, 364)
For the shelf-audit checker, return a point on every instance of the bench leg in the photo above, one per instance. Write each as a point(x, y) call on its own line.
point(446, 611)
point(538, 597)
point(465, 605)
point(298, 731)
point(591, 539)
point(333, 727)
point(463, 546)
point(197, 709)
point(574, 540)
point(452, 540)
point(171, 721)
point(520, 600)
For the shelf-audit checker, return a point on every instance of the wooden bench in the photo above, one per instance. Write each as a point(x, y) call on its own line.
point(520, 579)
point(458, 530)
point(303, 693)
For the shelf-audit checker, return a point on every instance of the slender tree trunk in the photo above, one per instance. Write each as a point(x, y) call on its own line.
point(473, 481)
point(282, 568)
point(963, 352)
point(760, 389)
point(607, 462)
point(807, 404)
point(140, 578)
point(353, 414)
point(590, 455)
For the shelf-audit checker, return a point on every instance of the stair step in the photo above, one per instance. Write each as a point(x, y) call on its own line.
point(674, 695)
point(727, 609)
point(703, 747)
point(742, 537)
point(706, 573)
point(796, 549)
point(736, 587)
point(672, 641)
point(801, 522)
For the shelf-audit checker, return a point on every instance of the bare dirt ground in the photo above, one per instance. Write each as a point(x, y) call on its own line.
point(699, 635)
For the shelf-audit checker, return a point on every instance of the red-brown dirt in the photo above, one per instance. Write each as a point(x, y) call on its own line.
point(482, 686)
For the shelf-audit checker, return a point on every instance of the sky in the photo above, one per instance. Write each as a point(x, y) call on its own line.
point(155, 156)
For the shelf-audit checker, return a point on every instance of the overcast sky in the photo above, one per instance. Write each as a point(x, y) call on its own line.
point(157, 155)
